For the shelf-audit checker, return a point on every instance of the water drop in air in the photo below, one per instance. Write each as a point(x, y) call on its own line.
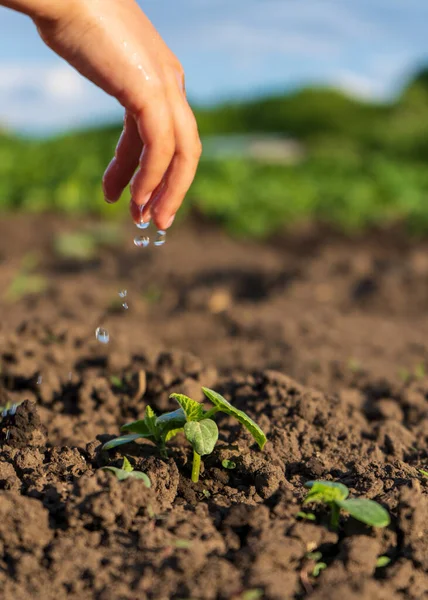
point(141, 242)
point(125, 305)
point(123, 293)
point(39, 380)
point(102, 335)
point(142, 225)
point(160, 238)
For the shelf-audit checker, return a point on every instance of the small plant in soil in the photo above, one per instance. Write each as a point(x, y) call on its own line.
point(127, 471)
point(335, 496)
point(200, 429)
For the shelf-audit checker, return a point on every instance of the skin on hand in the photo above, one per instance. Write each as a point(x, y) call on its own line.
point(112, 43)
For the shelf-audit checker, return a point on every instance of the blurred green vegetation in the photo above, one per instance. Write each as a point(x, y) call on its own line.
point(364, 164)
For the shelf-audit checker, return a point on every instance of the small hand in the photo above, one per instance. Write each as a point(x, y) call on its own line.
point(112, 43)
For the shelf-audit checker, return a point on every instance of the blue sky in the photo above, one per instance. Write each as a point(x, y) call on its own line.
point(229, 48)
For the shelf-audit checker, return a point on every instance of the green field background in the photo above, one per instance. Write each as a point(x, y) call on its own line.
point(363, 165)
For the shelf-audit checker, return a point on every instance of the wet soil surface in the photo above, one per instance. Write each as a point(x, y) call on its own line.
point(322, 340)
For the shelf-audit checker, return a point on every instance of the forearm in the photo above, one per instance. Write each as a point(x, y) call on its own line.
point(39, 9)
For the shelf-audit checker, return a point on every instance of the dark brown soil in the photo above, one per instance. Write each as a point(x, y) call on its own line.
point(322, 340)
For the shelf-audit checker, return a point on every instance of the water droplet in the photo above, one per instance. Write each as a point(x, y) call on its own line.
point(160, 238)
point(13, 409)
point(4, 413)
point(123, 293)
point(39, 380)
point(141, 242)
point(102, 335)
point(7, 434)
point(125, 306)
point(142, 225)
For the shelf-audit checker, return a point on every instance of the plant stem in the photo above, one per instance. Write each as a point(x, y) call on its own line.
point(211, 412)
point(196, 467)
point(334, 517)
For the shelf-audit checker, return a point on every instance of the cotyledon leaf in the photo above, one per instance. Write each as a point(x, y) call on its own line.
point(126, 466)
point(150, 420)
point(367, 511)
point(224, 406)
point(120, 441)
point(203, 435)
point(121, 475)
point(325, 491)
point(194, 410)
point(139, 427)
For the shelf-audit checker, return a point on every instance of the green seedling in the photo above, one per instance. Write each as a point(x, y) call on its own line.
point(228, 464)
point(152, 428)
point(382, 561)
point(335, 496)
point(306, 516)
point(191, 418)
point(116, 381)
point(423, 472)
point(127, 471)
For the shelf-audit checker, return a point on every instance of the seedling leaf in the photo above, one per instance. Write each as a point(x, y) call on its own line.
point(126, 466)
point(119, 441)
point(172, 433)
point(150, 420)
point(194, 410)
point(224, 406)
point(366, 511)
point(305, 515)
point(203, 435)
point(177, 418)
point(139, 427)
point(382, 561)
point(228, 464)
point(325, 491)
point(320, 566)
point(121, 475)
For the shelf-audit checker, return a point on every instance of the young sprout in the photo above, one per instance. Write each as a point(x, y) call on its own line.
point(202, 432)
point(191, 418)
point(152, 428)
point(335, 496)
point(127, 471)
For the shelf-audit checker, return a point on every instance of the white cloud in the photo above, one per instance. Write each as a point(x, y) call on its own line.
point(38, 96)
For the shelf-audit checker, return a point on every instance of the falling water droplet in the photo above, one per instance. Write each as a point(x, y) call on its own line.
point(39, 380)
point(13, 409)
point(102, 335)
point(160, 238)
point(141, 242)
point(123, 293)
point(4, 413)
point(142, 225)
point(125, 305)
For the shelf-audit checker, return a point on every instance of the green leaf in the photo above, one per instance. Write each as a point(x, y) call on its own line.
point(382, 561)
point(224, 406)
point(126, 466)
point(325, 491)
point(172, 433)
point(122, 474)
point(150, 420)
point(320, 566)
point(366, 511)
point(171, 420)
point(305, 515)
point(120, 441)
point(228, 464)
point(194, 410)
point(139, 427)
point(203, 435)
point(424, 473)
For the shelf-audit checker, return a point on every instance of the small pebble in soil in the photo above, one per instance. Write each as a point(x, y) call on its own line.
point(123, 293)
point(141, 241)
point(102, 335)
point(39, 380)
point(160, 238)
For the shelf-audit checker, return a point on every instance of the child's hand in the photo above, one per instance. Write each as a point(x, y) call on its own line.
point(112, 43)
